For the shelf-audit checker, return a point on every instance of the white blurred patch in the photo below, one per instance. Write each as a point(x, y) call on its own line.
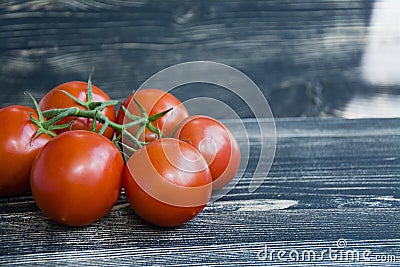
point(376, 106)
point(381, 60)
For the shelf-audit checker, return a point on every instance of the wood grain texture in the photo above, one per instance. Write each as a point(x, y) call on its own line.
point(332, 179)
point(304, 55)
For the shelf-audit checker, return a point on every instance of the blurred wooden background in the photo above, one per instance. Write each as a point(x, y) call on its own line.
point(310, 58)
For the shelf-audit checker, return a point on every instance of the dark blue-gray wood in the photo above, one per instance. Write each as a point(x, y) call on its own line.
point(332, 180)
point(304, 55)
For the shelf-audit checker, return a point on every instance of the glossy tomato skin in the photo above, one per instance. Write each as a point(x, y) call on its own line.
point(57, 99)
point(77, 177)
point(17, 149)
point(154, 101)
point(217, 144)
point(167, 182)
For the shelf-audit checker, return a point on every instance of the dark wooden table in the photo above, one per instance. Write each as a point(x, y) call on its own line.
point(331, 198)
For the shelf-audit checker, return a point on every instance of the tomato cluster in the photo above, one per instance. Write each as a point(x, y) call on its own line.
point(65, 151)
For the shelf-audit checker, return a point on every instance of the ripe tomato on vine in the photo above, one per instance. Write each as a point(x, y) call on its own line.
point(18, 147)
point(216, 143)
point(154, 101)
point(77, 177)
point(60, 97)
point(167, 182)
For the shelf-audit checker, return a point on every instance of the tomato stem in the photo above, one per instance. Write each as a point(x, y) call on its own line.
point(55, 115)
point(93, 110)
point(76, 112)
point(43, 128)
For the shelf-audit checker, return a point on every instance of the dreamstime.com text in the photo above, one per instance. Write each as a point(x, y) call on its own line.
point(340, 252)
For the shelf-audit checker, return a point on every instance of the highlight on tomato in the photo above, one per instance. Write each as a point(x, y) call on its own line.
point(154, 101)
point(216, 143)
point(167, 182)
point(58, 98)
point(18, 148)
point(77, 177)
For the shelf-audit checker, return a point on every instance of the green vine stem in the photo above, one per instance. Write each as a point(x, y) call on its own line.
point(55, 115)
point(93, 110)
point(44, 127)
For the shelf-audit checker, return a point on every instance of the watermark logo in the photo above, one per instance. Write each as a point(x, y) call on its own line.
point(339, 252)
point(237, 83)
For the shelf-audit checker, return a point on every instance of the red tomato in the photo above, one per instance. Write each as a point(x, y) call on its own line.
point(154, 101)
point(17, 149)
point(216, 143)
point(167, 182)
point(57, 99)
point(77, 177)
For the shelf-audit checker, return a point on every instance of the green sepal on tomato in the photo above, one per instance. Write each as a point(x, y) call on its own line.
point(154, 101)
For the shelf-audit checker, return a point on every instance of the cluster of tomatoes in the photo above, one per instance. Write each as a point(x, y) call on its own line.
point(74, 164)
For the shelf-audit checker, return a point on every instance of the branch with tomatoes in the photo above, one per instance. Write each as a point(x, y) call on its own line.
point(69, 151)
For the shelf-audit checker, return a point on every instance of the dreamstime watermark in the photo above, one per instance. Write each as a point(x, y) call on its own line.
point(234, 82)
point(340, 252)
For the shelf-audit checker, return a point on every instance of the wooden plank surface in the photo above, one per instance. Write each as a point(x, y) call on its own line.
point(332, 180)
point(306, 56)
